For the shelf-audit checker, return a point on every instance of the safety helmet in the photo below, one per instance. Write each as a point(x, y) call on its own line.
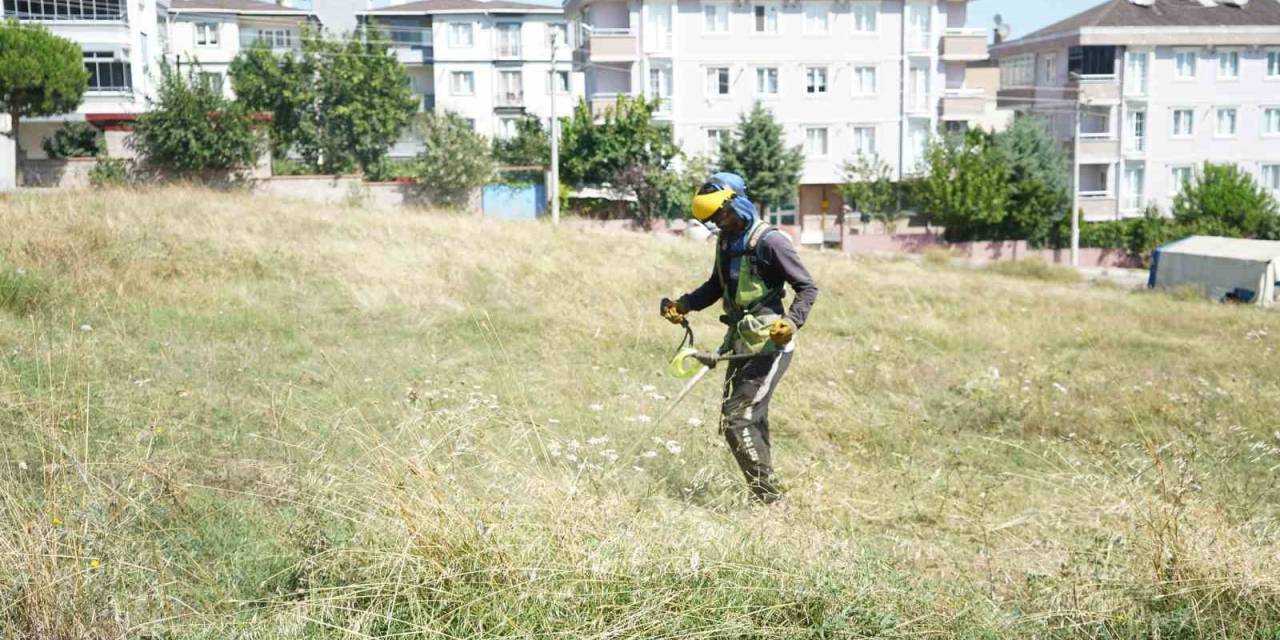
point(710, 197)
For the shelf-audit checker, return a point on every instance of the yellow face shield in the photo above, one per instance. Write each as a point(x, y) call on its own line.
point(707, 204)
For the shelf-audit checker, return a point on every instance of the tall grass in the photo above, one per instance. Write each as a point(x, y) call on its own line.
point(284, 421)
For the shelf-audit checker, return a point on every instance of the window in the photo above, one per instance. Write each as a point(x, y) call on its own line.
point(1049, 69)
point(815, 141)
point(1184, 123)
point(816, 18)
point(718, 81)
point(864, 141)
point(866, 17)
point(766, 18)
point(815, 81)
point(1227, 123)
point(275, 38)
point(715, 17)
point(1271, 178)
point(207, 34)
point(864, 81)
point(1092, 61)
point(470, 122)
point(107, 72)
point(1184, 63)
point(715, 137)
point(1018, 71)
point(507, 128)
point(462, 34)
point(211, 80)
point(1228, 65)
point(1273, 64)
point(510, 89)
point(1271, 121)
point(558, 81)
point(64, 10)
point(508, 39)
point(1180, 177)
point(558, 34)
point(462, 83)
point(767, 81)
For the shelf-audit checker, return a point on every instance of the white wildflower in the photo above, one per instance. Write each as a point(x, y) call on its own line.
point(85, 327)
point(598, 440)
point(995, 374)
point(1060, 388)
point(695, 561)
point(694, 422)
point(596, 407)
point(649, 454)
point(552, 421)
point(673, 447)
point(553, 448)
point(610, 455)
point(647, 388)
point(574, 445)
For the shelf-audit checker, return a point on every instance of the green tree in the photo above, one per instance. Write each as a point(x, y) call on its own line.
point(868, 181)
point(454, 161)
point(595, 151)
point(337, 104)
point(1223, 200)
point(531, 145)
point(1039, 182)
point(191, 127)
point(40, 74)
point(756, 151)
point(966, 186)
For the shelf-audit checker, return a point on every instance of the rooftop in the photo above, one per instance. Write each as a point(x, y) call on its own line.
point(1168, 13)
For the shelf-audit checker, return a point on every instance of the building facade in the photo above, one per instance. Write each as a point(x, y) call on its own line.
point(878, 77)
point(204, 36)
point(488, 61)
point(1143, 92)
point(122, 44)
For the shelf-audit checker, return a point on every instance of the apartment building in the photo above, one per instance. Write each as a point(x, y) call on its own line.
point(878, 77)
point(206, 35)
point(490, 61)
point(1142, 92)
point(122, 42)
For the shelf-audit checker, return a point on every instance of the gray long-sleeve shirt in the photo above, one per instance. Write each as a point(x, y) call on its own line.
point(778, 263)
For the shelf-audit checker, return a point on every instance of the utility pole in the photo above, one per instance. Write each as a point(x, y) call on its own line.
point(555, 135)
point(1075, 189)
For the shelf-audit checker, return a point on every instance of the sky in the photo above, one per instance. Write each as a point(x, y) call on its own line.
point(1024, 16)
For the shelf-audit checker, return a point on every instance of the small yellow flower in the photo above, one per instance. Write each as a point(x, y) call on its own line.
point(56, 521)
point(95, 563)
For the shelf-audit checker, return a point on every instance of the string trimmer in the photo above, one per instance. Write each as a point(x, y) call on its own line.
point(689, 363)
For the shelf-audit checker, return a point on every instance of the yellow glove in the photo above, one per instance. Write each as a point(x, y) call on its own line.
point(674, 312)
point(782, 331)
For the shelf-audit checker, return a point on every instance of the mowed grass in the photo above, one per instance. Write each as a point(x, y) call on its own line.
point(225, 416)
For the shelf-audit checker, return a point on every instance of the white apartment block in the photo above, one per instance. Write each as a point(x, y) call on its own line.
point(206, 35)
point(879, 77)
point(1157, 88)
point(489, 61)
point(122, 41)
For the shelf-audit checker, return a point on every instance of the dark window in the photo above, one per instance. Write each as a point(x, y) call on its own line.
point(1092, 61)
point(54, 10)
point(106, 73)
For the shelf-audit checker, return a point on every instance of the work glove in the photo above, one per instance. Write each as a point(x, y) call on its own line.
point(673, 311)
point(782, 331)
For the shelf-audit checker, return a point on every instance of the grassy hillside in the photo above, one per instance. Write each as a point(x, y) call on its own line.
point(224, 416)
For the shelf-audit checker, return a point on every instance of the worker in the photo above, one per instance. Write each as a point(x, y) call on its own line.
point(753, 262)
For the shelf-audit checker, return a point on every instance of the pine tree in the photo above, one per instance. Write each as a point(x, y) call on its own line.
point(756, 152)
point(41, 74)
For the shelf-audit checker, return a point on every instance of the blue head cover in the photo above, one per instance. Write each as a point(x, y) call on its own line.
point(746, 212)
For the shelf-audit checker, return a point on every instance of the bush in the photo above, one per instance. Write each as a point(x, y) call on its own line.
point(1225, 201)
point(192, 128)
point(75, 140)
point(454, 161)
point(109, 172)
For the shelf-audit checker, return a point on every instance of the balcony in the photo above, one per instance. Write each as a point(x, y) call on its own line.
point(1133, 204)
point(963, 104)
point(65, 11)
point(612, 45)
point(1098, 206)
point(507, 51)
point(600, 102)
point(1096, 88)
point(509, 100)
point(1101, 146)
point(1135, 146)
point(918, 103)
point(964, 45)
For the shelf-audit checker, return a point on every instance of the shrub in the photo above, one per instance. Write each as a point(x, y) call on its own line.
point(1224, 200)
point(193, 128)
point(75, 140)
point(454, 160)
point(109, 172)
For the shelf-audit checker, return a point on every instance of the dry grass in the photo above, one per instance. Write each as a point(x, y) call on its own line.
point(237, 417)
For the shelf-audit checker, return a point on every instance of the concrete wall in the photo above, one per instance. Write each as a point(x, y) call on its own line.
point(985, 251)
point(8, 155)
point(71, 173)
